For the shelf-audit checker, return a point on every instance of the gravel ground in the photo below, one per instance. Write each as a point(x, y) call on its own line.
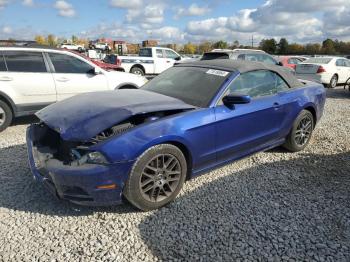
point(272, 206)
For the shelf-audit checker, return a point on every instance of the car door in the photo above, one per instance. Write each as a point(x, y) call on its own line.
point(161, 62)
point(171, 56)
point(342, 70)
point(73, 76)
point(253, 126)
point(28, 78)
point(347, 65)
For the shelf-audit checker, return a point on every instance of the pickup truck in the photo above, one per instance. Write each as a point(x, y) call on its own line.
point(150, 61)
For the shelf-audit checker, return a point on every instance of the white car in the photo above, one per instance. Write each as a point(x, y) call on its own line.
point(150, 61)
point(330, 71)
point(102, 46)
point(32, 78)
point(73, 47)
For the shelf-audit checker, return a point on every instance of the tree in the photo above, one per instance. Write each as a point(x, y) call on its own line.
point(51, 40)
point(189, 48)
point(312, 49)
point(328, 47)
point(269, 45)
point(295, 49)
point(283, 46)
point(205, 47)
point(39, 39)
point(221, 45)
point(74, 39)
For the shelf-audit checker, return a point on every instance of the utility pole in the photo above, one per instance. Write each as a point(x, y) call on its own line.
point(252, 41)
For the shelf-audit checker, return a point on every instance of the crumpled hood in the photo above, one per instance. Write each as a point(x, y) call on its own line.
point(81, 117)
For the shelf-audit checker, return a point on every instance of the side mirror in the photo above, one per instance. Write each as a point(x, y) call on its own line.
point(178, 58)
point(235, 99)
point(280, 63)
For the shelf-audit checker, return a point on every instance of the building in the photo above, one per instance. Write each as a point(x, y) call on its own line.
point(149, 43)
point(133, 48)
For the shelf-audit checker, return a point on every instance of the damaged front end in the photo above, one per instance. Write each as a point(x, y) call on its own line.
point(75, 170)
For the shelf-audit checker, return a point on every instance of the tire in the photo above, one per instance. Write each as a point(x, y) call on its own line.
point(334, 82)
point(137, 71)
point(149, 187)
point(5, 116)
point(301, 133)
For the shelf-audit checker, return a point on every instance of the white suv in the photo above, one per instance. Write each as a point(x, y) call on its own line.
point(32, 78)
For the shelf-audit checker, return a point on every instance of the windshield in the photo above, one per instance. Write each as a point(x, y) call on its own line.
point(193, 85)
point(145, 52)
point(318, 60)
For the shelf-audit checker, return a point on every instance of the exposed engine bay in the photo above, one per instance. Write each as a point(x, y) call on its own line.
point(50, 145)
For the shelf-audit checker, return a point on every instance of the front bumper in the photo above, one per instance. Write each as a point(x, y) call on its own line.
point(78, 184)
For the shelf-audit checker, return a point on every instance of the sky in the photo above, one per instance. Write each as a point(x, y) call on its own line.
point(177, 21)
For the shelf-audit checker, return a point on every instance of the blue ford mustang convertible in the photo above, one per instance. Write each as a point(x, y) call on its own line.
point(142, 144)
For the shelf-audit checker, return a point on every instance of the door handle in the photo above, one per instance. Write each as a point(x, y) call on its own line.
point(6, 78)
point(62, 79)
point(276, 106)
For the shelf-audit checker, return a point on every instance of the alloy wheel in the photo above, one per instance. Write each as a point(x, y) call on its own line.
point(303, 131)
point(160, 178)
point(2, 116)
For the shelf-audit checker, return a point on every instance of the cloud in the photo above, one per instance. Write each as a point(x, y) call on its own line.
point(192, 10)
point(3, 3)
point(6, 30)
point(64, 8)
point(28, 2)
point(127, 4)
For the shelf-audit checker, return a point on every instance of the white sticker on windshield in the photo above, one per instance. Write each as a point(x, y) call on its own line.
point(217, 72)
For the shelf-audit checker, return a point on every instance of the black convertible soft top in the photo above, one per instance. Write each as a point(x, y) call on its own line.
point(244, 66)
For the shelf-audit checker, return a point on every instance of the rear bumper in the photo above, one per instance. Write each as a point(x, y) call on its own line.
point(78, 184)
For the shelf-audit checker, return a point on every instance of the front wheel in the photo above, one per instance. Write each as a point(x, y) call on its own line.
point(300, 135)
point(156, 177)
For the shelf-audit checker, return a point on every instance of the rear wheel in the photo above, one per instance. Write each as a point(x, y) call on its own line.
point(5, 116)
point(137, 71)
point(334, 81)
point(300, 135)
point(156, 177)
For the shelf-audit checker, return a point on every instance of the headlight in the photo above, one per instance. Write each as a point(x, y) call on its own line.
point(96, 158)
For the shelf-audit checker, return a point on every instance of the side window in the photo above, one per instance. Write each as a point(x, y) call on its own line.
point(258, 83)
point(241, 57)
point(251, 57)
point(22, 61)
point(159, 53)
point(340, 62)
point(267, 59)
point(347, 63)
point(2, 63)
point(69, 64)
point(171, 54)
point(281, 85)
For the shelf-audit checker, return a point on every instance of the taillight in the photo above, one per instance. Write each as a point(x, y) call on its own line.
point(118, 62)
point(321, 70)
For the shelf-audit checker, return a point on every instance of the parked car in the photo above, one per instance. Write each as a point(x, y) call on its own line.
point(143, 144)
point(102, 64)
point(244, 54)
point(150, 61)
point(32, 78)
point(101, 46)
point(291, 61)
point(330, 71)
point(73, 47)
